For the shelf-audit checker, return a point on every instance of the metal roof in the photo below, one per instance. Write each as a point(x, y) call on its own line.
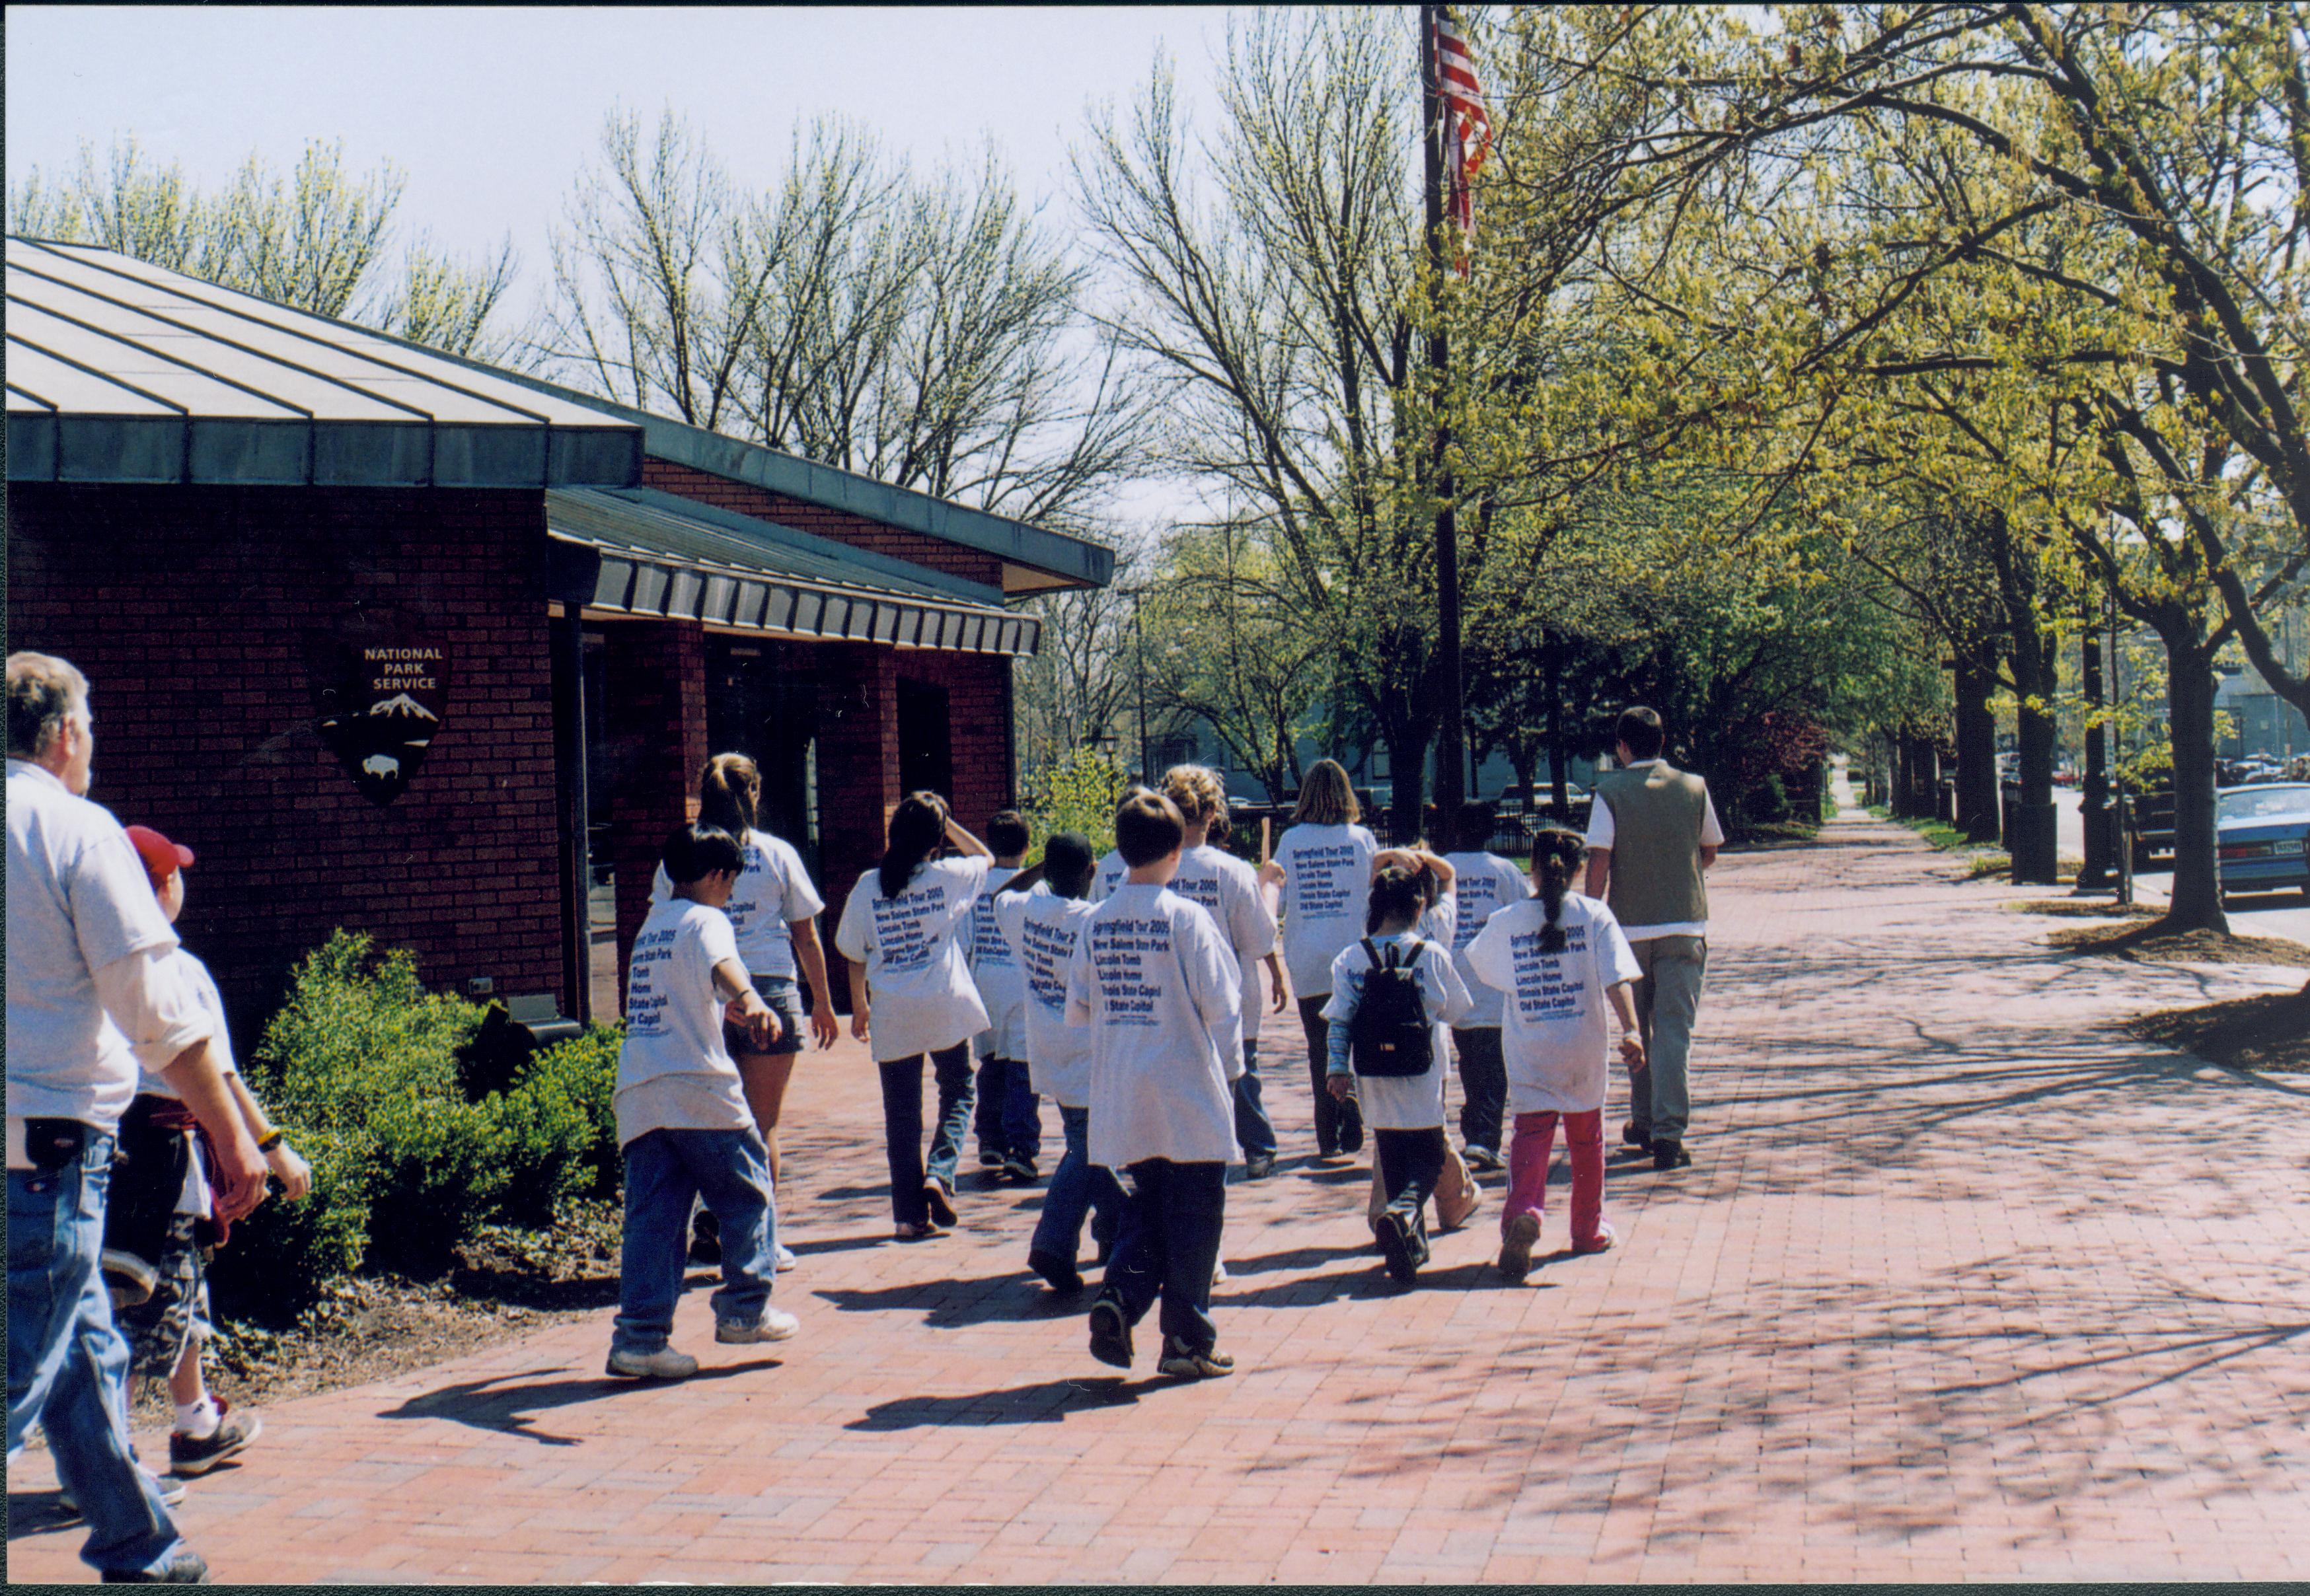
point(658, 554)
point(1034, 558)
point(122, 371)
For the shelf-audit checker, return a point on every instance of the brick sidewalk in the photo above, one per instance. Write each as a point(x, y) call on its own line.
point(1963, 1284)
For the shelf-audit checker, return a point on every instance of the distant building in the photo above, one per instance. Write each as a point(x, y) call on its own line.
point(2260, 721)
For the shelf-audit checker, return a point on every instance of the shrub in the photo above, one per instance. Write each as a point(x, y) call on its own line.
point(358, 1034)
point(583, 1072)
point(1077, 793)
point(1771, 801)
point(436, 1175)
point(282, 1258)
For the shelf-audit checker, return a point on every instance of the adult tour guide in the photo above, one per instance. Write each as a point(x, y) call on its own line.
point(1652, 833)
point(93, 992)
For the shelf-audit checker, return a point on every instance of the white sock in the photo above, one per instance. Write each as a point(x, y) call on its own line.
point(198, 1419)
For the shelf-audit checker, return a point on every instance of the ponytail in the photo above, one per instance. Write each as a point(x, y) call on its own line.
point(917, 827)
point(1556, 855)
point(730, 794)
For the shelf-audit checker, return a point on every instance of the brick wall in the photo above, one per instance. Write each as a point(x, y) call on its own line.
point(655, 707)
point(188, 608)
point(841, 526)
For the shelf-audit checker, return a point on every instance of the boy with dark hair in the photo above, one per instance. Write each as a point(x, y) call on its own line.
point(1009, 1119)
point(1044, 926)
point(1486, 883)
point(682, 1119)
point(1155, 979)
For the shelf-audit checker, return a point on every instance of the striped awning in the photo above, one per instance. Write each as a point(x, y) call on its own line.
point(659, 555)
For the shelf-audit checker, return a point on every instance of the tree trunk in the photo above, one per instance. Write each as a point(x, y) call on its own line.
point(2197, 902)
point(1407, 760)
point(1558, 783)
point(1976, 747)
point(2100, 865)
point(2033, 843)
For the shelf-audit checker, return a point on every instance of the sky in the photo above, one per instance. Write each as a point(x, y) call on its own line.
point(489, 111)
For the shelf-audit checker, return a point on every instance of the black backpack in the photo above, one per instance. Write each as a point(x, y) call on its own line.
point(1390, 1034)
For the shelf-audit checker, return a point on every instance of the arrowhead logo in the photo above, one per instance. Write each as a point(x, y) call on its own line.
point(378, 692)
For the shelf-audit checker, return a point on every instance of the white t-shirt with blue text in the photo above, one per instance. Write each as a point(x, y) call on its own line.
point(1001, 986)
point(1553, 1034)
point(773, 890)
point(1154, 979)
point(674, 1072)
point(1043, 928)
point(917, 976)
point(1326, 890)
point(1486, 883)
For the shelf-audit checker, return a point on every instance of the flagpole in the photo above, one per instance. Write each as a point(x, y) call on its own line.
point(1451, 752)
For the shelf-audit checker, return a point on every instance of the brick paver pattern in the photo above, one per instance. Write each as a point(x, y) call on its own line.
point(1963, 1283)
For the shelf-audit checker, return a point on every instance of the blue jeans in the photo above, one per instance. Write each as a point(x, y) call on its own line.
point(1009, 1115)
point(1253, 1130)
point(1078, 1187)
point(1169, 1248)
point(665, 1171)
point(68, 1365)
point(902, 1126)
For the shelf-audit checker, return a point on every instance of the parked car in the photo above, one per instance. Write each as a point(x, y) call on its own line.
point(2151, 813)
point(2261, 837)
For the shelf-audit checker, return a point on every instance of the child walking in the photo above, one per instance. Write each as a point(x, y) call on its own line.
point(900, 931)
point(158, 1224)
point(1393, 994)
point(774, 913)
point(682, 1119)
point(1487, 884)
point(1043, 927)
point(1154, 979)
point(1010, 1117)
point(1322, 867)
point(1560, 960)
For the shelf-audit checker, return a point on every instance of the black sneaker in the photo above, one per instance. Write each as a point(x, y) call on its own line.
point(1402, 1245)
point(184, 1567)
point(1669, 1155)
point(990, 1157)
point(1182, 1362)
point(1058, 1273)
point(1258, 1166)
point(1110, 1334)
point(1633, 1134)
point(705, 1237)
point(1479, 1156)
point(1351, 1127)
point(188, 1455)
point(1020, 1169)
point(941, 1203)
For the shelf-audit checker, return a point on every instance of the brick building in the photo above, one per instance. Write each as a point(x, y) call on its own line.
point(404, 644)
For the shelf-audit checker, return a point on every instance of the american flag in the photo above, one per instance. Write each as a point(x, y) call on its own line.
point(1467, 127)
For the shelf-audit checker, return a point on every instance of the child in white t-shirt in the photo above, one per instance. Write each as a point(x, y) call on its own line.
point(1404, 1111)
point(1486, 883)
point(902, 931)
point(1323, 869)
point(1009, 1120)
point(1043, 927)
point(1154, 979)
point(1561, 961)
point(682, 1119)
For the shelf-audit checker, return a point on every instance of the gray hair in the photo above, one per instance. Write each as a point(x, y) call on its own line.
point(44, 692)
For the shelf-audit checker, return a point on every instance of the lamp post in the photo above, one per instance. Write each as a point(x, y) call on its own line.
point(1139, 641)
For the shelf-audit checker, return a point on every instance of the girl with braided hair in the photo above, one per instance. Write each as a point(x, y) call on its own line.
point(1560, 959)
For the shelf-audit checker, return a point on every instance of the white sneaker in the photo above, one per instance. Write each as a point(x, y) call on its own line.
point(1218, 1272)
point(775, 1325)
point(786, 1260)
point(664, 1364)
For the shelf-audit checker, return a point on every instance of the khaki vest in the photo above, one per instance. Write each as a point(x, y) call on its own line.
point(1657, 814)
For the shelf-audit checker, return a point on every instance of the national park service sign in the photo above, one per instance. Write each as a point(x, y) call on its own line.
point(380, 691)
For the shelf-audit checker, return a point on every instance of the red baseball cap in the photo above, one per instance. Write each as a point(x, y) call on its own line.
point(160, 856)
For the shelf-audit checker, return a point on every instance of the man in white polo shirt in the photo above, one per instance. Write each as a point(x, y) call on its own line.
point(1652, 833)
point(87, 941)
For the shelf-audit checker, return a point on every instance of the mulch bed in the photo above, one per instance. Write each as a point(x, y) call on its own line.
point(2146, 943)
point(2270, 1032)
point(2084, 907)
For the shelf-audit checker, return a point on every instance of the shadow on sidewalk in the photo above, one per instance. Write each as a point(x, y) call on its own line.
point(954, 1303)
point(1046, 1402)
point(486, 1405)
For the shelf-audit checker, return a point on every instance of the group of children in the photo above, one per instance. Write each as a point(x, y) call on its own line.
point(1127, 991)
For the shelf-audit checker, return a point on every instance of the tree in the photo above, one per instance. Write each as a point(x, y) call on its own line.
point(926, 332)
point(1076, 692)
point(320, 240)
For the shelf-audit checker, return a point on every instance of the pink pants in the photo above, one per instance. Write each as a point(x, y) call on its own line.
point(1584, 1142)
